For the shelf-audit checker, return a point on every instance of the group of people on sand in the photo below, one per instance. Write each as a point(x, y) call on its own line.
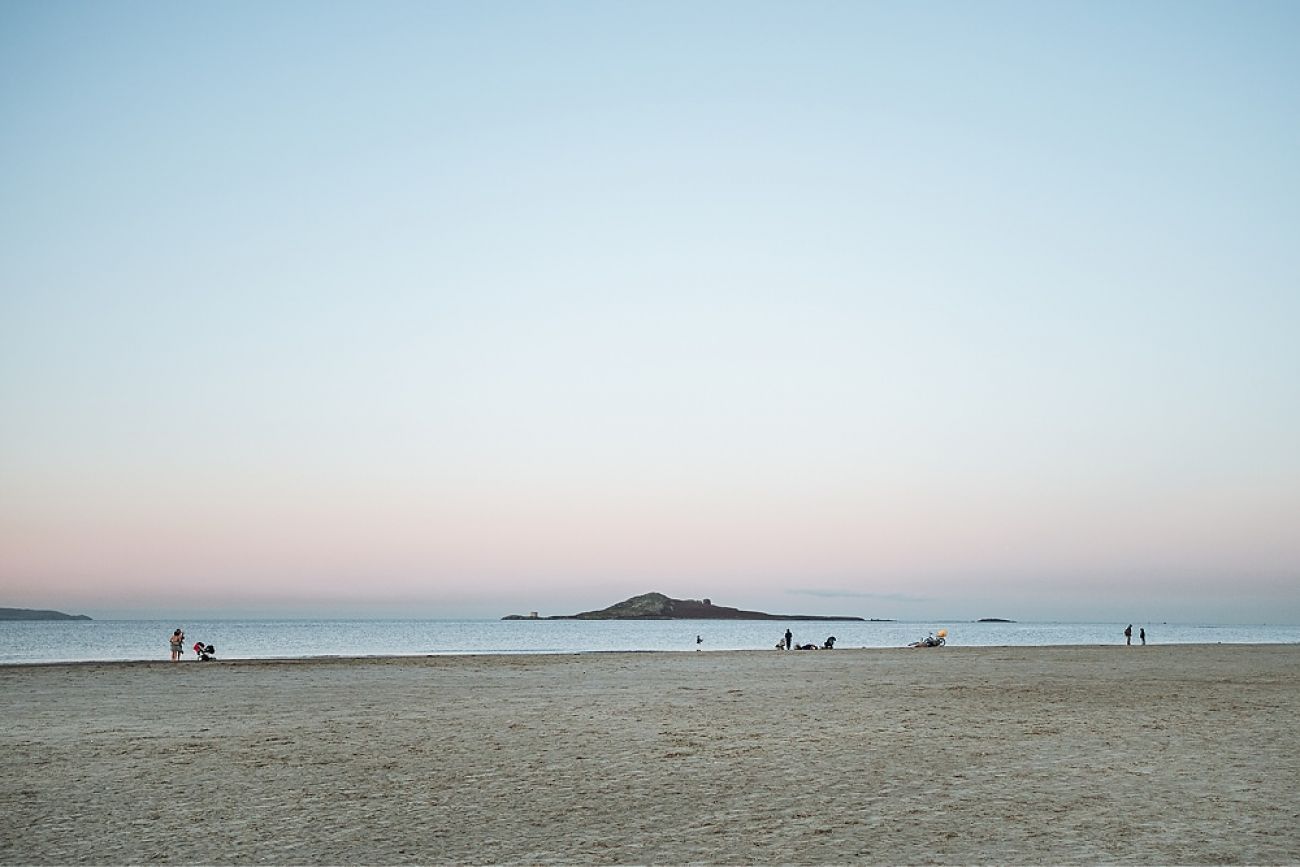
point(1128, 634)
point(204, 652)
point(787, 643)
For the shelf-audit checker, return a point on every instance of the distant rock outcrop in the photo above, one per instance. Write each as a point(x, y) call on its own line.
point(36, 614)
point(657, 606)
point(994, 620)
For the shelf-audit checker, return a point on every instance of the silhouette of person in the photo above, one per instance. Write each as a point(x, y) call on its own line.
point(789, 640)
point(1142, 634)
point(1128, 634)
point(699, 640)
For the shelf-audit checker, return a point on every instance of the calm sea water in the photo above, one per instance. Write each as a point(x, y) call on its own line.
point(62, 641)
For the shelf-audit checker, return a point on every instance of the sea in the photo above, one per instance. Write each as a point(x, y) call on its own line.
point(79, 640)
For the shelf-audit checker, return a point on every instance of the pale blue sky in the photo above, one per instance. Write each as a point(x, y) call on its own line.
point(901, 310)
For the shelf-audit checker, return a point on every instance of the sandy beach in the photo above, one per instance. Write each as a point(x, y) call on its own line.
point(1150, 755)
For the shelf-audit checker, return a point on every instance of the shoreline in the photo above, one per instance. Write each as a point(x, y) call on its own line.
point(477, 654)
point(1069, 754)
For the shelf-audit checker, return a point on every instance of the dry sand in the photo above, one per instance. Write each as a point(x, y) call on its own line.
point(958, 755)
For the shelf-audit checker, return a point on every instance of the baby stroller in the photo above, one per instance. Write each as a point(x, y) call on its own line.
point(204, 651)
point(932, 640)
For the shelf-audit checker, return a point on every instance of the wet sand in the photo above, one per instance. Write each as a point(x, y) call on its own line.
point(1153, 755)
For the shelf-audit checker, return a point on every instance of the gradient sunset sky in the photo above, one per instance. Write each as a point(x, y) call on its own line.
point(439, 309)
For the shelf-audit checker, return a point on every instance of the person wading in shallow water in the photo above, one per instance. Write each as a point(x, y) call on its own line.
point(1128, 634)
point(1142, 636)
point(178, 639)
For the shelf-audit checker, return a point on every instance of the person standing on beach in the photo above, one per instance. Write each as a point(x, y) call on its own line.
point(1128, 634)
point(178, 639)
point(789, 640)
point(1142, 634)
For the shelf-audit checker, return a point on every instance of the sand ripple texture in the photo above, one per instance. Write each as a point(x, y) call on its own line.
point(1114, 755)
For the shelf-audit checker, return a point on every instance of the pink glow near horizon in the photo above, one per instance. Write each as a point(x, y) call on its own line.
point(354, 552)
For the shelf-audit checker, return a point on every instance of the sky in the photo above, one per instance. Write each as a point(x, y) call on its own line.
point(453, 309)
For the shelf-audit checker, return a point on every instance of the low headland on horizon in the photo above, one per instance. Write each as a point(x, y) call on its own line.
point(38, 614)
point(657, 606)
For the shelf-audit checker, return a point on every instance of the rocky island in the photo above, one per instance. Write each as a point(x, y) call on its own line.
point(37, 614)
point(657, 606)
